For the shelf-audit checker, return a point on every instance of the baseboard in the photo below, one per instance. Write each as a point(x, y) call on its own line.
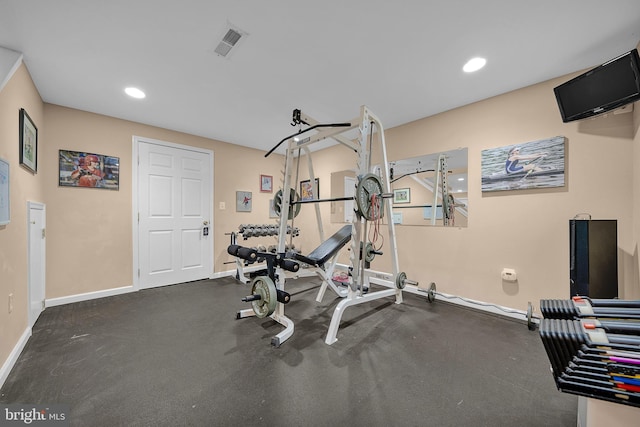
point(13, 356)
point(222, 274)
point(52, 302)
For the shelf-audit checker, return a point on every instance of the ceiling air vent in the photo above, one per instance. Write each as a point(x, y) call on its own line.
point(231, 38)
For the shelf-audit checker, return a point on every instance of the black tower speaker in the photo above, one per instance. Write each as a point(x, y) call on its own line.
point(593, 260)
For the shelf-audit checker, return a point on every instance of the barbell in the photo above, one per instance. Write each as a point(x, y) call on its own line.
point(367, 206)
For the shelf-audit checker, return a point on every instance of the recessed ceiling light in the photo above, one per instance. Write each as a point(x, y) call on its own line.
point(474, 64)
point(460, 179)
point(134, 92)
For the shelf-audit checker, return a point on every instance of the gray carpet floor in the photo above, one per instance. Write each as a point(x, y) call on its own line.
point(177, 355)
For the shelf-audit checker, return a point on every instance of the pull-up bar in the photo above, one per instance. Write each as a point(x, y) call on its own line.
point(319, 125)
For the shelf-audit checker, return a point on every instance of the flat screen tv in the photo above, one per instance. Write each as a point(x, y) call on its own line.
point(604, 88)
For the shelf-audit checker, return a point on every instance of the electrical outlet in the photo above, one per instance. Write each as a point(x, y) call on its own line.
point(10, 303)
point(223, 206)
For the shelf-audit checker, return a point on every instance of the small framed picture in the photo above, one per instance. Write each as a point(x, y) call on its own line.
point(402, 195)
point(266, 184)
point(243, 201)
point(309, 191)
point(28, 142)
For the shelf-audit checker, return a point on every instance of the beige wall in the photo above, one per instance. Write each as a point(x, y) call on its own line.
point(89, 233)
point(19, 92)
point(526, 231)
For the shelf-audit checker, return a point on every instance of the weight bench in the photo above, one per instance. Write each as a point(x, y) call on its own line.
point(265, 293)
point(324, 259)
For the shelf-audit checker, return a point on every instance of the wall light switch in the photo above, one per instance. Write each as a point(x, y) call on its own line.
point(10, 303)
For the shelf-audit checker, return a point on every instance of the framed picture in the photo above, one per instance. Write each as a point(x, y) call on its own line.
point(79, 169)
point(266, 184)
point(243, 201)
point(5, 211)
point(402, 195)
point(309, 191)
point(28, 142)
point(531, 165)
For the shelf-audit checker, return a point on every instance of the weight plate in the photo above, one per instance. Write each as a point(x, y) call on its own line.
point(530, 324)
point(369, 185)
point(368, 252)
point(400, 278)
point(431, 293)
point(294, 210)
point(266, 305)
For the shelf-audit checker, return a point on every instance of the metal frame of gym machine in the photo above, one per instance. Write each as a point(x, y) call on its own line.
point(361, 277)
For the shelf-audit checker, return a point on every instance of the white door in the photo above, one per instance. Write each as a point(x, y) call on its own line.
point(37, 258)
point(175, 196)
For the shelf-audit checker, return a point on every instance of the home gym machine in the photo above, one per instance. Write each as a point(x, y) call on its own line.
point(268, 297)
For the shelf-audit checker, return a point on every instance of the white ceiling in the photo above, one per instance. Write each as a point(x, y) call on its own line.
point(402, 59)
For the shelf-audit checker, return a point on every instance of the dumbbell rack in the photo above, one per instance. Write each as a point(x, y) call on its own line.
point(248, 231)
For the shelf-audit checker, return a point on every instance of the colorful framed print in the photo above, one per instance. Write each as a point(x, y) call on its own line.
point(243, 201)
point(309, 191)
point(531, 165)
point(89, 170)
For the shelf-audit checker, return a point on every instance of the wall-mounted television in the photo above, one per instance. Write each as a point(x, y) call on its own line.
point(604, 88)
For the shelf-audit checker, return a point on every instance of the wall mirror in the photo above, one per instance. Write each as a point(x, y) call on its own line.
point(412, 182)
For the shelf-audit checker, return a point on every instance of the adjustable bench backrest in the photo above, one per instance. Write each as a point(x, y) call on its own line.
point(327, 249)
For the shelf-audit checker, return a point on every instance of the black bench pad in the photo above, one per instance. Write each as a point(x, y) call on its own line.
point(328, 248)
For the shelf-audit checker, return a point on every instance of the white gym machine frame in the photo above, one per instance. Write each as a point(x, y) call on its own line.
point(360, 277)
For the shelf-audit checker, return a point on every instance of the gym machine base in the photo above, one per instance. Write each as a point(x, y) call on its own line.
point(371, 192)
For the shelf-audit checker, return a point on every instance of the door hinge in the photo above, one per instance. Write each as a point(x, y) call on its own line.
point(138, 273)
point(44, 233)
